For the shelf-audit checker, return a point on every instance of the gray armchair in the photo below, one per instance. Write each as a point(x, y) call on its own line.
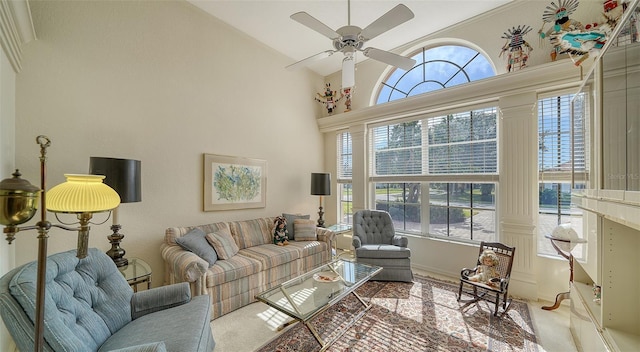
point(376, 243)
point(89, 306)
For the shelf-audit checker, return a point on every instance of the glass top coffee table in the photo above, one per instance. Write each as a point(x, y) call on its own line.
point(309, 294)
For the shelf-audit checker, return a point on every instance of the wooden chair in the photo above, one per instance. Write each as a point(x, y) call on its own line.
point(498, 289)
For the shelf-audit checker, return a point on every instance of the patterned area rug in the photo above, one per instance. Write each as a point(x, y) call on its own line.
point(419, 316)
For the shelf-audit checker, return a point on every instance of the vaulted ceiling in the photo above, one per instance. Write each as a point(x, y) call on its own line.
point(269, 22)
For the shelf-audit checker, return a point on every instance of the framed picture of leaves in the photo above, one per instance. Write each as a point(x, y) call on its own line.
point(234, 182)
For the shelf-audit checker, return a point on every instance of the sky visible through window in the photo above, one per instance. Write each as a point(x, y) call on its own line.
point(436, 68)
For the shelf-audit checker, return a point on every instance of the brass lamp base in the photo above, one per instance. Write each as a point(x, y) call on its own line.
point(116, 252)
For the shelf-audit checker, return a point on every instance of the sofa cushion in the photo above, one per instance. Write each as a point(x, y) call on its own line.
point(195, 241)
point(387, 251)
point(237, 267)
point(182, 328)
point(271, 255)
point(305, 230)
point(249, 233)
point(290, 219)
point(80, 299)
point(172, 233)
point(223, 243)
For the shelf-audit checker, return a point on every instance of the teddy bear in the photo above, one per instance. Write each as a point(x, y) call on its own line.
point(280, 232)
point(487, 269)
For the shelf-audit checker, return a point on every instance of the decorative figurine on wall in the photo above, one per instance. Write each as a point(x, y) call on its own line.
point(559, 15)
point(580, 43)
point(328, 98)
point(347, 94)
point(517, 47)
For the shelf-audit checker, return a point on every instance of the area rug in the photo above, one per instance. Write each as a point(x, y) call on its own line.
point(420, 316)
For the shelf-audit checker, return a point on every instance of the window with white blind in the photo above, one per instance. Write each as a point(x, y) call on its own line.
point(555, 162)
point(345, 174)
point(448, 163)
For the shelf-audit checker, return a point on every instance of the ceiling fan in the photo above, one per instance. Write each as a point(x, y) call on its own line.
point(350, 39)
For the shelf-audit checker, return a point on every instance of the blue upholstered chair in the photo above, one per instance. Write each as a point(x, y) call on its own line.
point(89, 306)
point(376, 243)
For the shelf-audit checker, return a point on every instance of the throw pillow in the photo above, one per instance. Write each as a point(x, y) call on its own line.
point(194, 241)
point(223, 243)
point(290, 218)
point(305, 230)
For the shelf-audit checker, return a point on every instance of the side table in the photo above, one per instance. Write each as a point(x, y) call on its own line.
point(136, 272)
point(339, 229)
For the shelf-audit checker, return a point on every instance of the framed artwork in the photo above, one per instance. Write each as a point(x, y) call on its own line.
point(234, 183)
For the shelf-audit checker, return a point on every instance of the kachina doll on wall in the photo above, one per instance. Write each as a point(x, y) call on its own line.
point(329, 98)
point(592, 38)
point(518, 49)
point(559, 14)
point(347, 94)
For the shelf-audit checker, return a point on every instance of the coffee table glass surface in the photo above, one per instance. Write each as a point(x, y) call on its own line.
point(308, 294)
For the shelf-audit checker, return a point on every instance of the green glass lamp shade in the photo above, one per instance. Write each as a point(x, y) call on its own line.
point(18, 200)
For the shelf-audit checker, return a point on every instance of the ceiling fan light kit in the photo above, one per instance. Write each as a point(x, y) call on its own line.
point(351, 39)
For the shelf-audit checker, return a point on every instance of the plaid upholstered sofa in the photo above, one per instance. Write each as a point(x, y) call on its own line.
point(233, 281)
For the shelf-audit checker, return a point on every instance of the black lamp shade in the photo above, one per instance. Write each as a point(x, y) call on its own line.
point(123, 175)
point(320, 184)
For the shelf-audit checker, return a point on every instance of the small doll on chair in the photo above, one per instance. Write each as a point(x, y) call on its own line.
point(486, 271)
point(280, 233)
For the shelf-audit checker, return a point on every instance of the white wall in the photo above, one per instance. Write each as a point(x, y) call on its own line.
point(7, 128)
point(162, 82)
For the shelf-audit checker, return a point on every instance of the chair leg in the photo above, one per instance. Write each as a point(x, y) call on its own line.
point(460, 291)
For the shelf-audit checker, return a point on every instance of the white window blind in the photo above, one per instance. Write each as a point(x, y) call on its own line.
point(554, 141)
point(460, 143)
point(345, 157)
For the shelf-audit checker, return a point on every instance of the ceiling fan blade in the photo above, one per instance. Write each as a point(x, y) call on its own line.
point(392, 59)
point(311, 22)
point(310, 59)
point(393, 18)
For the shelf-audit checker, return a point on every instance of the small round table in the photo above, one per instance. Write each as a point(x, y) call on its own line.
point(136, 272)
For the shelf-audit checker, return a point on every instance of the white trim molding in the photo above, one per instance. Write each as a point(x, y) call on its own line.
point(16, 29)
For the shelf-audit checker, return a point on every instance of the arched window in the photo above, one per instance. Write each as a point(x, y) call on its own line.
point(436, 68)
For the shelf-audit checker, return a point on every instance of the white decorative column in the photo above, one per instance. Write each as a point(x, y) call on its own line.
point(518, 214)
point(360, 173)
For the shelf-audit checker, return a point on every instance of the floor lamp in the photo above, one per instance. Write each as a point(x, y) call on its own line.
point(82, 195)
point(123, 175)
point(320, 186)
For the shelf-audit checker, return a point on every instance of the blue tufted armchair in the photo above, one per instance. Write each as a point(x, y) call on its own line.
point(90, 307)
point(376, 243)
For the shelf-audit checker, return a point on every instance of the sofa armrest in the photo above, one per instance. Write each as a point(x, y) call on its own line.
point(147, 347)
point(159, 298)
point(399, 240)
point(325, 235)
point(184, 265)
point(356, 242)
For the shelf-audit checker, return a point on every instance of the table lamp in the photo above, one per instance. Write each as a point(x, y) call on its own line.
point(80, 194)
point(320, 186)
point(123, 175)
